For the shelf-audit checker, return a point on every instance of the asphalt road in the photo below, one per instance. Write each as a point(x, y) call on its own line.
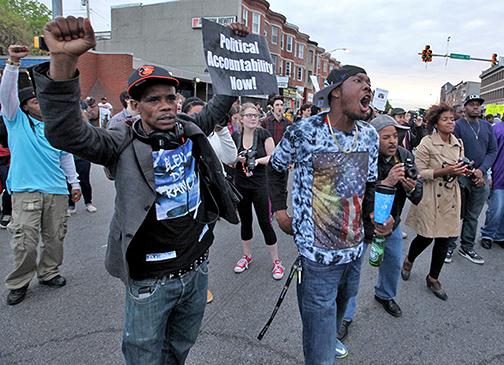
point(82, 322)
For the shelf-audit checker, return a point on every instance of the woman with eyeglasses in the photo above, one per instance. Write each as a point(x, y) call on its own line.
point(437, 216)
point(255, 146)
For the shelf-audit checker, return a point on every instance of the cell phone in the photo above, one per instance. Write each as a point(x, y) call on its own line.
point(39, 43)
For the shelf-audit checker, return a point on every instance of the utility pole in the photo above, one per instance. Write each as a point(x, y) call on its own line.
point(86, 4)
point(57, 8)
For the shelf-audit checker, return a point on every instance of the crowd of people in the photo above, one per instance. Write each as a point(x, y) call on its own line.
point(180, 164)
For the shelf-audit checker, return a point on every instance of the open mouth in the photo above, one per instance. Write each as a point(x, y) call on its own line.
point(365, 101)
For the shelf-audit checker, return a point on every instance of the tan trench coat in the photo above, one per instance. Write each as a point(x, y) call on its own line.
point(438, 213)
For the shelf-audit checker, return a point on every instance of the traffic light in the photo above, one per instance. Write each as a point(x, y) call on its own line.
point(494, 59)
point(427, 54)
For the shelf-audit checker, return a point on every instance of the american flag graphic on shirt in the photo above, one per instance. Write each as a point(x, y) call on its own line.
point(339, 184)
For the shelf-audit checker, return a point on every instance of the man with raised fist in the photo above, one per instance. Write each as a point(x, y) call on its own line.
point(37, 180)
point(170, 190)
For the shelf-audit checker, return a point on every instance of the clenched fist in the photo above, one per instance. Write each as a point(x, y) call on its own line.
point(69, 36)
point(67, 39)
point(16, 52)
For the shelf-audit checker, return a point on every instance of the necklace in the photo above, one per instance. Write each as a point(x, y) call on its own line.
point(476, 134)
point(356, 135)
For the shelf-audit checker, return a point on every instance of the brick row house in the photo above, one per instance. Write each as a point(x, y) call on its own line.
point(295, 56)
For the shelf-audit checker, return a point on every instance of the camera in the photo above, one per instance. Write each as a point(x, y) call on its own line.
point(250, 157)
point(410, 169)
point(468, 164)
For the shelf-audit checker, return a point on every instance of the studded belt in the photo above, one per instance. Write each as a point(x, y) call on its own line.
point(192, 267)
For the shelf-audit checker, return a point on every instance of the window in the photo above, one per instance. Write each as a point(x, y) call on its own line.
point(280, 68)
point(325, 67)
point(266, 26)
point(300, 74)
point(281, 40)
point(245, 17)
point(288, 68)
point(290, 41)
point(274, 59)
point(310, 58)
point(274, 34)
point(256, 23)
point(300, 52)
point(318, 64)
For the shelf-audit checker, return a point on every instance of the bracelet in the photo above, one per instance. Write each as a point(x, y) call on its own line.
point(13, 63)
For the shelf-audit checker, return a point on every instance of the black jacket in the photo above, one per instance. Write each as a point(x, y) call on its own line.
point(400, 197)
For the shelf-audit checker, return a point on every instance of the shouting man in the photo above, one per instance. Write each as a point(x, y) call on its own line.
point(335, 156)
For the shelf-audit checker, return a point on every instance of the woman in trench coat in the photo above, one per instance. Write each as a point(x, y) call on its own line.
point(437, 216)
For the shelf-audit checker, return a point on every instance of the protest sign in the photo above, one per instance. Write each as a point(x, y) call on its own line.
point(380, 99)
point(237, 65)
point(494, 109)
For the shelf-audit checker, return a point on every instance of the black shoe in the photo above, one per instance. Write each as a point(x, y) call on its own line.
point(435, 287)
point(486, 243)
point(343, 331)
point(16, 296)
point(390, 306)
point(57, 282)
point(406, 269)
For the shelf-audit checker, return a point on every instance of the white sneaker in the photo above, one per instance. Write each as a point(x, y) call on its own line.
point(71, 211)
point(91, 208)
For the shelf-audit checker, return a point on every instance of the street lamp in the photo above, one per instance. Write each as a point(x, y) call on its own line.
point(346, 50)
point(196, 80)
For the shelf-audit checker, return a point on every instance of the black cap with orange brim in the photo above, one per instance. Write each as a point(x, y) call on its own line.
point(146, 75)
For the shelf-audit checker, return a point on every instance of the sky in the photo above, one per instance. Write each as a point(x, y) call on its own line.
point(384, 37)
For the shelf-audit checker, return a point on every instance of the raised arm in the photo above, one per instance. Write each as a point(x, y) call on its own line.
point(58, 93)
point(9, 85)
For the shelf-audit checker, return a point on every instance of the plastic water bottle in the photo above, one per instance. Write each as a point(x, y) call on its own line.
point(377, 251)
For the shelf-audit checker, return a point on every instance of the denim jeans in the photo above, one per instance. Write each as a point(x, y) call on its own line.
point(163, 318)
point(322, 299)
point(388, 273)
point(494, 221)
point(473, 200)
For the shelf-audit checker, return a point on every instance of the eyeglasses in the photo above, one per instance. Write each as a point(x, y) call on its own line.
point(251, 115)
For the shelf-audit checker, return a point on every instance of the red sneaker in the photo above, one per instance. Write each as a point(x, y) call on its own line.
point(242, 264)
point(278, 270)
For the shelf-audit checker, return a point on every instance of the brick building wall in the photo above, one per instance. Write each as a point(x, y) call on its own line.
point(105, 74)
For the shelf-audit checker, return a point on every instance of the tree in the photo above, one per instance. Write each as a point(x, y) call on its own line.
point(20, 20)
point(388, 106)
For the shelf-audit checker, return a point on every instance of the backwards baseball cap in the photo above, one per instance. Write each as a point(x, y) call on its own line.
point(146, 75)
point(26, 94)
point(398, 111)
point(335, 79)
point(383, 121)
point(474, 97)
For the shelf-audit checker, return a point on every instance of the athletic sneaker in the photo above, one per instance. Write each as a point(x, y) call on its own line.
point(278, 270)
point(341, 350)
point(472, 256)
point(242, 264)
point(5, 221)
point(91, 208)
point(71, 210)
point(449, 256)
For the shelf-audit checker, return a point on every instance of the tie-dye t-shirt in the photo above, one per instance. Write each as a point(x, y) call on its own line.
point(329, 186)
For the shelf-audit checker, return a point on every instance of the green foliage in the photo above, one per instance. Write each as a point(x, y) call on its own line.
point(388, 106)
point(20, 20)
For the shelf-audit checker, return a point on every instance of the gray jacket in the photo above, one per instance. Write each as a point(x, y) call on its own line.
point(129, 159)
